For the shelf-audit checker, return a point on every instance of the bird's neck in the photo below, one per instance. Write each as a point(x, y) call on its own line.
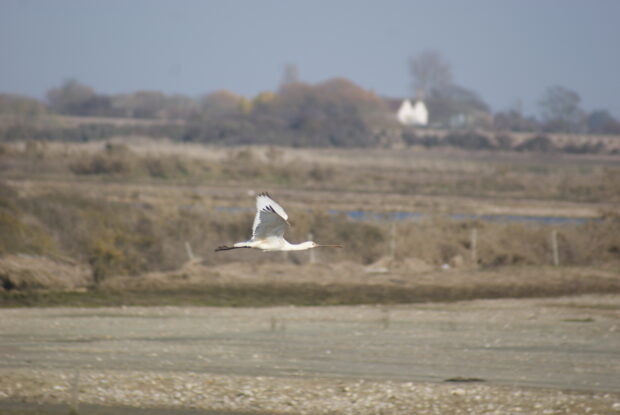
point(299, 247)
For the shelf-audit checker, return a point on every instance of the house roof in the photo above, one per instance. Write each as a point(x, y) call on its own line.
point(395, 103)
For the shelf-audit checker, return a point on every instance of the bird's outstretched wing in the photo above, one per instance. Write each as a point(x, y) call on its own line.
point(270, 219)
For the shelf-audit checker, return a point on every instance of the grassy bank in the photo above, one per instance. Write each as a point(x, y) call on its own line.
point(398, 286)
point(265, 295)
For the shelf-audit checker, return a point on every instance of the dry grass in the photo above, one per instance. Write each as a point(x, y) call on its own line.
point(119, 231)
point(407, 172)
point(126, 208)
point(27, 272)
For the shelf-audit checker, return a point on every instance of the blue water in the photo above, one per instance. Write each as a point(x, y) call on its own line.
point(363, 215)
point(416, 216)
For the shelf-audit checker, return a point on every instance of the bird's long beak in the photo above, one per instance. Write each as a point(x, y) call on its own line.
point(333, 246)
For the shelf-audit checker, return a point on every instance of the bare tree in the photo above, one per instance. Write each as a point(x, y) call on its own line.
point(430, 72)
point(560, 108)
point(290, 74)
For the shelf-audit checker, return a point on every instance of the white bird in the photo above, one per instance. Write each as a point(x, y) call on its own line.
point(270, 223)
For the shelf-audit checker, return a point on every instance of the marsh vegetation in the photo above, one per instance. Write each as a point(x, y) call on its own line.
point(130, 207)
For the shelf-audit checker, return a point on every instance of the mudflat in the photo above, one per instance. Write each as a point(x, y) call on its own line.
point(542, 354)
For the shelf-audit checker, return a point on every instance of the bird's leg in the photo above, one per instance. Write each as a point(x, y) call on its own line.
point(228, 248)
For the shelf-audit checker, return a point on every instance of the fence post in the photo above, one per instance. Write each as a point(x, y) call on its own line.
point(274, 324)
point(474, 247)
point(75, 393)
point(311, 252)
point(554, 246)
point(393, 241)
point(385, 318)
point(188, 248)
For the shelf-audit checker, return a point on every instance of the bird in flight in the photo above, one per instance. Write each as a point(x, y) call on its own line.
point(270, 223)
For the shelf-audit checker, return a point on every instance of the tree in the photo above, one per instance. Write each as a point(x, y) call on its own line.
point(430, 72)
point(180, 107)
point(335, 112)
point(560, 109)
point(71, 97)
point(602, 122)
point(20, 106)
point(290, 74)
point(446, 101)
point(456, 106)
point(221, 103)
point(514, 120)
point(332, 113)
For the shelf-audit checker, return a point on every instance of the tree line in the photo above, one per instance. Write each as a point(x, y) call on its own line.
point(332, 113)
point(336, 112)
point(559, 106)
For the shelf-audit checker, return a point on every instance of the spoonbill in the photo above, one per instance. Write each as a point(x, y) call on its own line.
point(270, 223)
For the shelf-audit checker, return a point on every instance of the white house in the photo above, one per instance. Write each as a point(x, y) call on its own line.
point(413, 114)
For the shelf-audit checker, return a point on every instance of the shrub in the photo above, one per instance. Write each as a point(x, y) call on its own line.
point(18, 234)
point(469, 141)
point(540, 143)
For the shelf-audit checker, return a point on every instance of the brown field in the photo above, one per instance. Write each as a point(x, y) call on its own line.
point(392, 178)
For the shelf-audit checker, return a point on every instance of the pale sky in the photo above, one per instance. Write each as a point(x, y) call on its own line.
point(505, 50)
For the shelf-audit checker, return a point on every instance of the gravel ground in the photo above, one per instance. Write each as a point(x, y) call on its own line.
point(536, 356)
point(178, 391)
